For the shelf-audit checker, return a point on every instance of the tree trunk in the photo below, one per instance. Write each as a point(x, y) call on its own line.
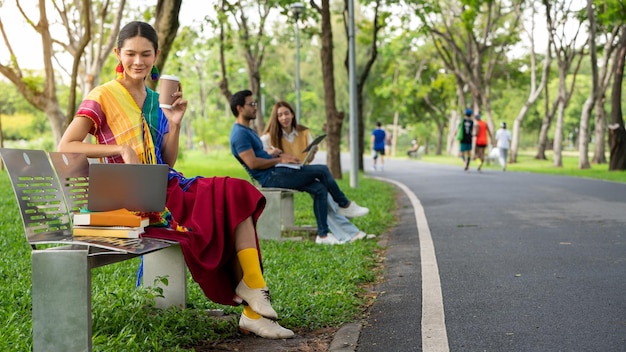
point(583, 131)
point(545, 126)
point(599, 151)
point(166, 25)
point(440, 136)
point(583, 134)
point(334, 118)
point(558, 132)
point(617, 134)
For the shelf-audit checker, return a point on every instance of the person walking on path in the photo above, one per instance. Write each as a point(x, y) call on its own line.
point(283, 170)
point(483, 136)
point(283, 133)
point(213, 218)
point(378, 146)
point(503, 137)
point(465, 133)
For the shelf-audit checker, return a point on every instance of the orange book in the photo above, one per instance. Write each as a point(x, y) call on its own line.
point(119, 217)
point(107, 231)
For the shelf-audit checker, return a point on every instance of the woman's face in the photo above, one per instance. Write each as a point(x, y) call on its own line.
point(137, 56)
point(284, 118)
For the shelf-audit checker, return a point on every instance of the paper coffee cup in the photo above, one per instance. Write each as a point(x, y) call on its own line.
point(168, 85)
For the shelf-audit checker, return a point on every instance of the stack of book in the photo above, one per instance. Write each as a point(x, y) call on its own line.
point(120, 223)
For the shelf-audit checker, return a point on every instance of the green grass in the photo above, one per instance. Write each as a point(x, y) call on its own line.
point(528, 163)
point(312, 286)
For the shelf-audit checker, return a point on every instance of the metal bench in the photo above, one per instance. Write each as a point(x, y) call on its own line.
point(61, 263)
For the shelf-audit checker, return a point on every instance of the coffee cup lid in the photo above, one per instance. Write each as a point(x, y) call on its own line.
point(170, 77)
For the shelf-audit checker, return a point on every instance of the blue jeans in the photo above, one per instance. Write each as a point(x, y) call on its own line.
point(315, 180)
point(338, 224)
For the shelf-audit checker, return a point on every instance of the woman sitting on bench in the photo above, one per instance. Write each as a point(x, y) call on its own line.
point(213, 219)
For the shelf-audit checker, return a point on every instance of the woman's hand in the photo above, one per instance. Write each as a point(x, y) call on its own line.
point(176, 113)
point(288, 159)
point(129, 155)
point(275, 152)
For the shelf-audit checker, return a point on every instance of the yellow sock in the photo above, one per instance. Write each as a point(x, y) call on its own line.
point(250, 313)
point(251, 267)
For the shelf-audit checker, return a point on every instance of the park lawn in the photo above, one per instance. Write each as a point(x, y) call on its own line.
point(312, 286)
point(528, 163)
point(308, 290)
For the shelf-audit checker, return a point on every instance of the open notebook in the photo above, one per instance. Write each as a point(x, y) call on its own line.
point(310, 150)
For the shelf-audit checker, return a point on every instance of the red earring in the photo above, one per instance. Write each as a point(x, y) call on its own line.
point(119, 70)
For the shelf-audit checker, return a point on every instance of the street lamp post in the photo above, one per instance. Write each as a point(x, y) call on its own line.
point(297, 9)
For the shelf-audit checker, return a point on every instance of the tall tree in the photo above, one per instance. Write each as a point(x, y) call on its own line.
point(334, 117)
point(473, 37)
point(617, 133)
point(559, 15)
point(79, 20)
point(252, 41)
point(166, 25)
point(106, 23)
point(607, 36)
point(535, 88)
point(583, 130)
point(45, 97)
point(610, 15)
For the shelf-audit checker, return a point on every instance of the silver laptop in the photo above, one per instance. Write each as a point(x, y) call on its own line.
point(136, 187)
point(310, 150)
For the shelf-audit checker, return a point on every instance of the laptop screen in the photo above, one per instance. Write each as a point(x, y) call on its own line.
point(136, 187)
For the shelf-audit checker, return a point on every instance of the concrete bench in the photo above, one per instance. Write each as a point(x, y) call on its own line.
point(61, 264)
point(278, 215)
point(416, 154)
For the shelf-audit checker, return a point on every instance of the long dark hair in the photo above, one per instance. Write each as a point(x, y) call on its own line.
point(274, 129)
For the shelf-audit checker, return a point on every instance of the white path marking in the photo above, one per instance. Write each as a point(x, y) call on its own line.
point(434, 336)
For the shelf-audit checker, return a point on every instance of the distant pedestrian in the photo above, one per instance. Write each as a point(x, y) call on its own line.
point(483, 136)
point(503, 136)
point(465, 133)
point(378, 145)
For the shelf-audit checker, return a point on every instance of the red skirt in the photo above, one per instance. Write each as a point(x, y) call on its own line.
point(211, 208)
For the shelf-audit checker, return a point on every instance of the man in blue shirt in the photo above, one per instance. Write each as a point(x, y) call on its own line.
point(378, 145)
point(247, 148)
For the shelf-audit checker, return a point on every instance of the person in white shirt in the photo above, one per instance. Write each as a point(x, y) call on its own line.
point(503, 136)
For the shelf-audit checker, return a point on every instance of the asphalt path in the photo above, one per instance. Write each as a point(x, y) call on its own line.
point(500, 261)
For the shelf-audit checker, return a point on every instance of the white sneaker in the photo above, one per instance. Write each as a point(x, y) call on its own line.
point(328, 239)
point(353, 210)
point(359, 236)
point(264, 327)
